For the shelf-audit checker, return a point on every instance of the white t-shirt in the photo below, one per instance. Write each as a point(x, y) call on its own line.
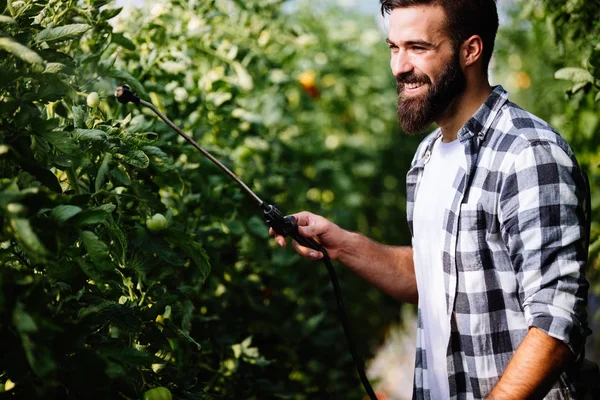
point(434, 196)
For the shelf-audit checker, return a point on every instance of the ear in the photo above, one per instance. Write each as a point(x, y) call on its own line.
point(471, 50)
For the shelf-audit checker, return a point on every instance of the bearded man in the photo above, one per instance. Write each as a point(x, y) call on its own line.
point(496, 210)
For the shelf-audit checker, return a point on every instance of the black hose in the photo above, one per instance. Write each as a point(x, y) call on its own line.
point(358, 362)
point(288, 226)
point(344, 321)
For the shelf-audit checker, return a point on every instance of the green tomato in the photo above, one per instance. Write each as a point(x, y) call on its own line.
point(93, 100)
point(158, 393)
point(156, 223)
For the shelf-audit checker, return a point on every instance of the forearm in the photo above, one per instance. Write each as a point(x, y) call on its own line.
point(390, 268)
point(534, 368)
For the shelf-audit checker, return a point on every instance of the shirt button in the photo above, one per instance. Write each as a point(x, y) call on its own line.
point(427, 156)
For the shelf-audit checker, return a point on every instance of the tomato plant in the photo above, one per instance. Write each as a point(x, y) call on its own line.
point(128, 261)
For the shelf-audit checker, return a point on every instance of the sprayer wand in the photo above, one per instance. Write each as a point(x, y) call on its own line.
point(282, 225)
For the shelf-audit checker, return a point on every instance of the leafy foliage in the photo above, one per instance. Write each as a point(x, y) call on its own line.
point(299, 106)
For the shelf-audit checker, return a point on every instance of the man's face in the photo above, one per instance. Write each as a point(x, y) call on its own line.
point(426, 66)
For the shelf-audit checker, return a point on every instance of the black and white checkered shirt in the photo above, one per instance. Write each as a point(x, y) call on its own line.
point(514, 248)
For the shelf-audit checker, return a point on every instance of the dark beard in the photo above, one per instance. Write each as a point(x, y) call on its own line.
point(417, 113)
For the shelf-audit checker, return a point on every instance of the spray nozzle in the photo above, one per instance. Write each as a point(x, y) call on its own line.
point(124, 95)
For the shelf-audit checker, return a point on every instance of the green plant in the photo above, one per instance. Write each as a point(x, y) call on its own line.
point(92, 296)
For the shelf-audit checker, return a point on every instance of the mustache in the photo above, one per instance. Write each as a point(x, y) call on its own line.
point(411, 77)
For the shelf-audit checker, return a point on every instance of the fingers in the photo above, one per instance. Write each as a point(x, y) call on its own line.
point(311, 225)
point(303, 251)
point(280, 240)
point(307, 252)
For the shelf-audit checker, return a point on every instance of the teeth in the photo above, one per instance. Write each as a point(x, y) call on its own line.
point(414, 85)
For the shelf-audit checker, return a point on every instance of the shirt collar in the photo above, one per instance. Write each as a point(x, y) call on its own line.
point(481, 121)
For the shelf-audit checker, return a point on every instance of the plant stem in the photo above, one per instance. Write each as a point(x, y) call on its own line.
point(10, 8)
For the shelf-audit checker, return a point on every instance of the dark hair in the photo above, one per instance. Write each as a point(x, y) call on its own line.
point(464, 18)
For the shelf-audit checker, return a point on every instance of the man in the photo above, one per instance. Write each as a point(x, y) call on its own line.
point(496, 209)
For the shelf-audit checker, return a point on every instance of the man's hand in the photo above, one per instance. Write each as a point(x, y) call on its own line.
point(390, 268)
point(328, 234)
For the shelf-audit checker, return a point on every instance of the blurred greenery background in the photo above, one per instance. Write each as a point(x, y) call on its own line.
point(298, 100)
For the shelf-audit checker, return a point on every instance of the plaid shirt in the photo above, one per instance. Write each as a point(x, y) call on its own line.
point(514, 248)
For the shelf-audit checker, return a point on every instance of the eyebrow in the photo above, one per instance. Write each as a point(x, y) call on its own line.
point(421, 43)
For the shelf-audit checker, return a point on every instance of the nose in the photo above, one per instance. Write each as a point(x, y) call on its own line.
point(400, 63)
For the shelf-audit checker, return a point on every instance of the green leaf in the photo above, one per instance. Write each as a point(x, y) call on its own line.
point(64, 212)
point(594, 61)
point(313, 322)
point(190, 339)
point(79, 115)
point(131, 356)
point(100, 3)
point(107, 208)
point(53, 68)
point(120, 176)
point(27, 238)
point(574, 74)
point(578, 86)
point(258, 227)
point(109, 13)
point(119, 242)
point(55, 89)
point(62, 33)
point(114, 370)
point(165, 253)
point(89, 135)
point(135, 85)
point(62, 141)
point(90, 269)
point(102, 172)
point(22, 320)
point(100, 309)
point(17, 49)
point(244, 80)
point(236, 227)
point(38, 356)
point(63, 271)
point(122, 41)
point(94, 216)
point(114, 313)
point(5, 19)
point(218, 98)
point(137, 158)
point(97, 250)
point(196, 252)
point(46, 177)
point(161, 161)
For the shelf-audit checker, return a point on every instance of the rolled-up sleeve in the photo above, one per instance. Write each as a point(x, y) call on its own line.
point(543, 223)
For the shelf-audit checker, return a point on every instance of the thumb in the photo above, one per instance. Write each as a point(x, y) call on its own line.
point(310, 230)
point(305, 231)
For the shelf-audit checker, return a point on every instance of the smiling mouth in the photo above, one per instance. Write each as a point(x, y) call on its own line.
point(413, 86)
